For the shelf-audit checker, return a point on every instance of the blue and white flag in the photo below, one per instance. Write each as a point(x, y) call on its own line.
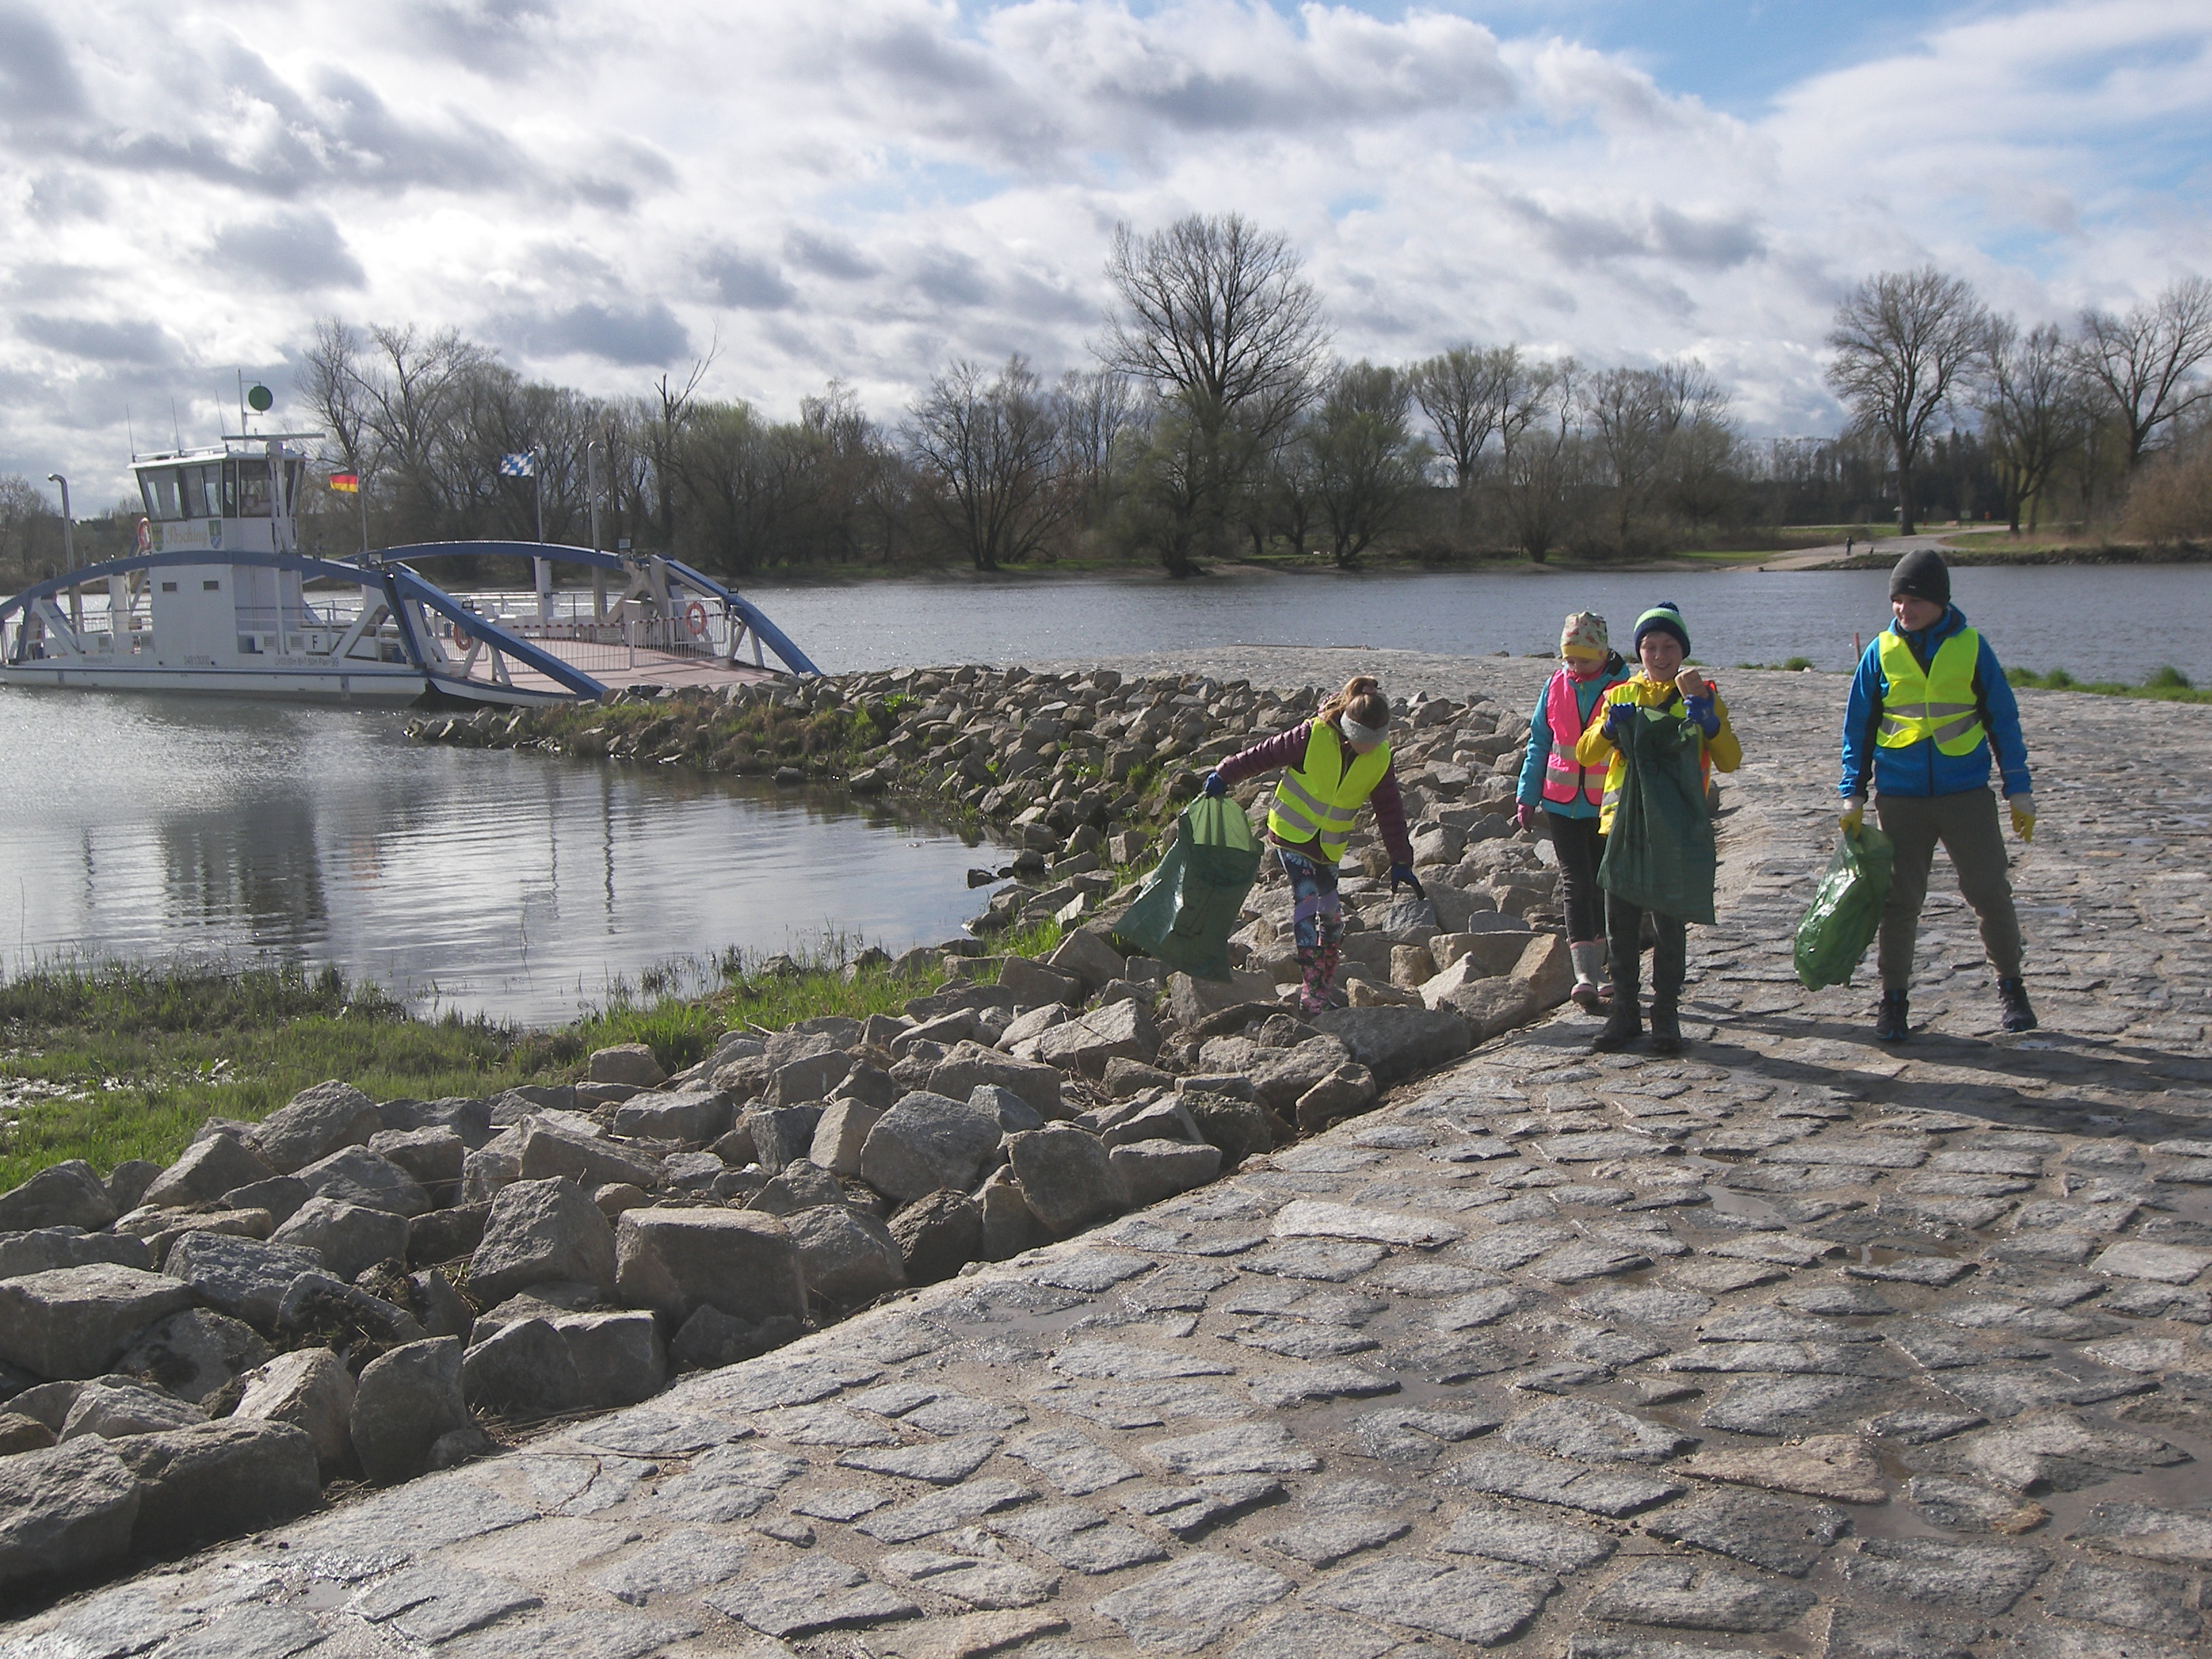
point(517, 466)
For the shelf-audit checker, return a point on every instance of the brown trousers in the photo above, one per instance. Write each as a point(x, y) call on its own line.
point(1966, 824)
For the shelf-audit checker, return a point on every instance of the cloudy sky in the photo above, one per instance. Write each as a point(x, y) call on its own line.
point(867, 188)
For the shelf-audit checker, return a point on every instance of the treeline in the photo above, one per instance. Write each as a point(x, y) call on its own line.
point(1216, 421)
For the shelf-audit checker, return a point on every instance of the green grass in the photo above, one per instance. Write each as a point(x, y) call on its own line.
point(109, 1062)
point(2165, 685)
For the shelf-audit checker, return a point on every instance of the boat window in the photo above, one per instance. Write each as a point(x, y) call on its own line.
point(293, 472)
point(168, 587)
point(203, 492)
point(163, 493)
point(247, 485)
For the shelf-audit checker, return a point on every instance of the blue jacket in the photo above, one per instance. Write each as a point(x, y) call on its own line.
point(1922, 768)
point(1531, 790)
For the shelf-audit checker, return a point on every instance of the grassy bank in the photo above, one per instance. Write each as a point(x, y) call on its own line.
point(111, 1062)
point(2165, 684)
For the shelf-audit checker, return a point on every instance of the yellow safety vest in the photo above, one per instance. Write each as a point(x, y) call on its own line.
point(1936, 707)
point(1318, 798)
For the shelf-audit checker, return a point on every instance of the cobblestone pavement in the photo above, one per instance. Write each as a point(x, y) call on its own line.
point(1792, 1344)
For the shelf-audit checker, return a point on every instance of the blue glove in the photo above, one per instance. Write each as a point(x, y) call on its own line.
point(1618, 719)
point(1404, 873)
point(1215, 785)
point(1701, 710)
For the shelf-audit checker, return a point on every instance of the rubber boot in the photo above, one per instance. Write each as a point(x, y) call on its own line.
point(1307, 1005)
point(2012, 997)
point(1669, 968)
point(1625, 1022)
point(1589, 975)
point(1325, 965)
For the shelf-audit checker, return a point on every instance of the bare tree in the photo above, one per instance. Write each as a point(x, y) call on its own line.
point(2035, 407)
point(988, 447)
point(329, 377)
point(1215, 316)
point(662, 434)
point(1367, 464)
point(2147, 360)
point(1902, 340)
point(1099, 418)
point(1539, 454)
point(1465, 393)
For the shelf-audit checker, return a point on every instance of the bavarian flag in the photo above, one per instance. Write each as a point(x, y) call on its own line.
point(347, 481)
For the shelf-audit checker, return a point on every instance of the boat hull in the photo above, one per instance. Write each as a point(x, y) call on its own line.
point(372, 685)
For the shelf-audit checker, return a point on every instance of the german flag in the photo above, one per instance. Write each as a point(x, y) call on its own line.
point(349, 482)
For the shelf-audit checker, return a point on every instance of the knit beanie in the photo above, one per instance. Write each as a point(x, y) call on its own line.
point(1665, 618)
point(1921, 573)
point(1585, 633)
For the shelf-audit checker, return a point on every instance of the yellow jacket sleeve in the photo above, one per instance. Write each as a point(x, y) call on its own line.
point(1721, 748)
point(1594, 748)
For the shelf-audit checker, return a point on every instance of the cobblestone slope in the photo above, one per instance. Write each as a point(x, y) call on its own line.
point(1792, 1345)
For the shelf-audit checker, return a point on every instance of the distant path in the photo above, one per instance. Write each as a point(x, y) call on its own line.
point(1819, 558)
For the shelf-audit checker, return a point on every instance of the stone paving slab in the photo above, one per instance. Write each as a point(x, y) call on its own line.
point(1791, 1345)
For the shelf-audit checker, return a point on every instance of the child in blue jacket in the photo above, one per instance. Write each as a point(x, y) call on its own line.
point(1928, 706)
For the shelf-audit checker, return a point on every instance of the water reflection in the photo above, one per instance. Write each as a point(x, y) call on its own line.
point(516, 884)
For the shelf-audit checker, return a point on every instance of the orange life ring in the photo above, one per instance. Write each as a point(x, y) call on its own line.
point(462, 641)
point(694, 616)
point(145, 536)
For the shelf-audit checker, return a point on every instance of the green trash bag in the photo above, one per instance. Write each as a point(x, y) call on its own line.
point(1846, 910)
point(1189, 905)
point(1659, 855)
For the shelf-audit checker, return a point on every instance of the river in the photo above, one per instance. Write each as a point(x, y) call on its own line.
point(527, 886)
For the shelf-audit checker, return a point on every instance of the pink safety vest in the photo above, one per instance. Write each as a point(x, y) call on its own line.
point(1563, 778)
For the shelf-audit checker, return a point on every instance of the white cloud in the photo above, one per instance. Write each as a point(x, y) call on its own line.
point(867, 188)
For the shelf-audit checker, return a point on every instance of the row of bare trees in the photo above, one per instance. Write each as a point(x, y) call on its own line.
point(1916, 348)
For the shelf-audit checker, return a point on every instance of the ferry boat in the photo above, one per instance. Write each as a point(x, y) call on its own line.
point(218, 597)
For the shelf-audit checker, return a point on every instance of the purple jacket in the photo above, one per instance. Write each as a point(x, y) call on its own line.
point(1289, 750)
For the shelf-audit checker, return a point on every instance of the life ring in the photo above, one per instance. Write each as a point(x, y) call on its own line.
point(695, 617)
point(462, 641)
point(145, 536)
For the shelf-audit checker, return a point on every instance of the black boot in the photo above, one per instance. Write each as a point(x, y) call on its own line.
point(1892, 1023)
point(1624, 1024)
point(1666, 1027)
point(2012, 997)
point(1670, 967)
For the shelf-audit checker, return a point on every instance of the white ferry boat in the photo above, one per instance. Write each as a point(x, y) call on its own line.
point(218, 599)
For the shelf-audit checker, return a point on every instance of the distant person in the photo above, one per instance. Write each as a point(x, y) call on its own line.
point(1571, 796)
point(1662, 643)
point(1927, 705)
point(1332, 765)
point(1850, 541)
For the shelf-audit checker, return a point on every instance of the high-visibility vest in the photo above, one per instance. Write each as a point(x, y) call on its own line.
point(1563, 778)
point(1937, 705)
point(1318, 798)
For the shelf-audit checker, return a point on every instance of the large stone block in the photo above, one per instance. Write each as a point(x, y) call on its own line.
point(73, 1322)
point(209, 1167)
point(49, 1248)
point(1036, 986)
point(195, 1353)
point(808, 1077)
point(938, 1234)
point(445, 1235)
point(349, 1237)
point(311, 1389)
point(782, 1133)
point(243, 1277)
point(1280, 1076)
point(1154, 1170)
point(1545, 971)
point(466, 1115)
point(840, 1135)
point(115, 1407)
point(1085, 1044)
point(619, 1355)
point(1345, 1093)
point(554, 1145)
point(431, 1155)
point(1397, 1043)
point(405, 1401)
point(1067, 1179)
point(693, 1117)
point(64, 1509)
point(65, 1195)
point(1086, 954)
point(315, 1123)
point(846, 1256)
point(217, 1481)
point(927, 1141)
point(539, 1230)
point(626, 1062)
point(522, 1369)
point(969, 1066)
point(738, 1262)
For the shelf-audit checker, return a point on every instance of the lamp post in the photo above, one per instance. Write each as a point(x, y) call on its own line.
point(592, 490)
point(68, 541)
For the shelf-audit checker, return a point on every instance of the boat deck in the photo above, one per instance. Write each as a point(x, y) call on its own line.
point(619, 670)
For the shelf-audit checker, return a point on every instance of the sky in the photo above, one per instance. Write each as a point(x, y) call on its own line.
point(870, 189)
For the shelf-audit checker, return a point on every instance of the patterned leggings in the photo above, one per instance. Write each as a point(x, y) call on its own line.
point(1317, 921)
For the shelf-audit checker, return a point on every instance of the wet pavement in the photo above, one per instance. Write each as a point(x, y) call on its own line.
point(1792, 1344)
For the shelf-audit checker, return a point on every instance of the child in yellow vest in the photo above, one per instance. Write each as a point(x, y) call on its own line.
point(1661, 643)
point(1332, 765)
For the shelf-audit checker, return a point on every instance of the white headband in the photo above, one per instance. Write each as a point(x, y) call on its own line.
point(1355, 732)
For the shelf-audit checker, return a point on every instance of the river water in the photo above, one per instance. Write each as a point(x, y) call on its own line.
point(527, 886)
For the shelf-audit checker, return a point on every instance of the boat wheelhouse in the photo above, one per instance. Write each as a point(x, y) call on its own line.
point(218, 597)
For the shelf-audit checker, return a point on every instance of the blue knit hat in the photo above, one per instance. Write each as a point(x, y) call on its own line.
point(1666, 617)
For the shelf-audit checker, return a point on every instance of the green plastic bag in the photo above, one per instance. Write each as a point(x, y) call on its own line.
point(1659, 855)
point(1846, 910)
point(1189, 905)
